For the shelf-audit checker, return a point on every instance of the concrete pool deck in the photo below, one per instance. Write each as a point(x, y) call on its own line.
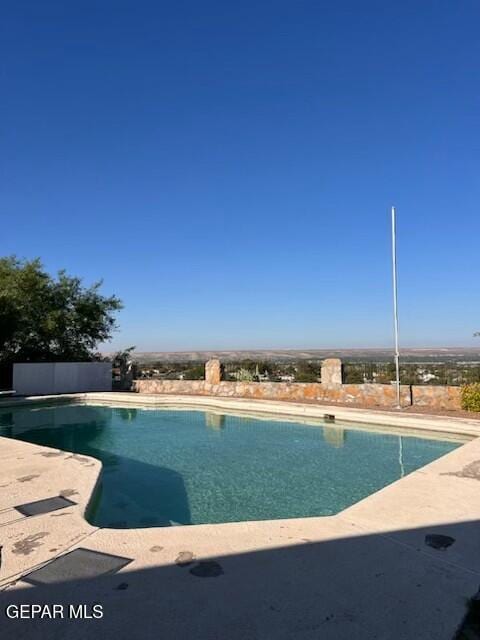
point(365, 573)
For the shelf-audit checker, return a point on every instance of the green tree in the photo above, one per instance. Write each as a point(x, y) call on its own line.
point(123, 359)
point(196, 372)
point(124, 368)
point(44, 318)
point(308, 372)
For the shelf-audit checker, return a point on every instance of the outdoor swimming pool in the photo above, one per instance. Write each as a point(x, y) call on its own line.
point(165, 467)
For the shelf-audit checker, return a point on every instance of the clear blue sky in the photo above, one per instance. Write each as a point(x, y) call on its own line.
point(227, 167)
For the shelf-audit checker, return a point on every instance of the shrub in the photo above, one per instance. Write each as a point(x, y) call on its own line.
point(471, 397)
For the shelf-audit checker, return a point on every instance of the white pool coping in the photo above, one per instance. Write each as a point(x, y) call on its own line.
point(418, 421)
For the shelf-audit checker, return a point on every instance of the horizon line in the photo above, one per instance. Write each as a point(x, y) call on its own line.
point(406, 348)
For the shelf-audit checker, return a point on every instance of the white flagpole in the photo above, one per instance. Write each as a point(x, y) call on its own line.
point(395, 304)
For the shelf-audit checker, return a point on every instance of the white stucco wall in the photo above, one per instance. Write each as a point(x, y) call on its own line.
point(43, 378)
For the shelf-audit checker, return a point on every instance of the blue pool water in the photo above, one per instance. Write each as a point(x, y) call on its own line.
point(164, 467)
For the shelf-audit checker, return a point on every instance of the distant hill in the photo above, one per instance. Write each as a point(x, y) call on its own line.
point(442, 354)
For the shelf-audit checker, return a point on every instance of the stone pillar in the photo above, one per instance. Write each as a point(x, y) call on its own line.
point(332, 371)
point(213, 372)
point(335, 436)
point(215, 421)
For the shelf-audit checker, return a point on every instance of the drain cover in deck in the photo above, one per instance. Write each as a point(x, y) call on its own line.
point(44, 506)
point(79, 564)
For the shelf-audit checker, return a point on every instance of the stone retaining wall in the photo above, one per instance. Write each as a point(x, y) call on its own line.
point(438, 397)
point(367, 395)
point(364, 395)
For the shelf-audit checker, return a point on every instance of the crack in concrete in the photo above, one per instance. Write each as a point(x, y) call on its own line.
point(28, 478)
